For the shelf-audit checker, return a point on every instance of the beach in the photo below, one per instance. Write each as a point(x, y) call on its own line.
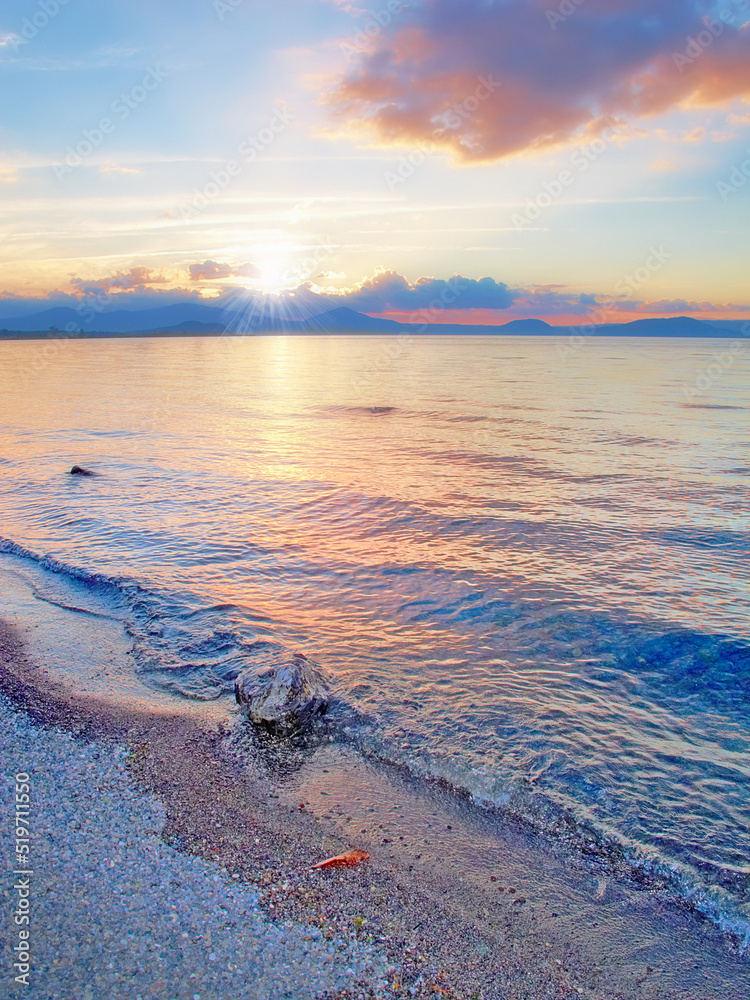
point(197, 818)
point(118, 912)
point(196, 804)
point(538, 726)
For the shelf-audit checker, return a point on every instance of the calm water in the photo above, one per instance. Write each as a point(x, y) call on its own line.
point(526, 575)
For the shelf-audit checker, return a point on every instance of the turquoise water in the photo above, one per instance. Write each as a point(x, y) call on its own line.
point(525, 573)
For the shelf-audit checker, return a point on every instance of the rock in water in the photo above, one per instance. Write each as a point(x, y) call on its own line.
point(78, 471)
point(285, 698)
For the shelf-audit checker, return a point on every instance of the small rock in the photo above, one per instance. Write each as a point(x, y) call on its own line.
point(77, 470)
point(285, 698)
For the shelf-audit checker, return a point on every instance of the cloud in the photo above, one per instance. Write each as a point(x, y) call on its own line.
point(454, 300)
point(385, 293)
point(489, 79)
point(680, 307)
point(113, 168)
point(135, 278)
point(696, 135)
point(487, 301)
point(551, 301)
point(211, 270)
point(388, 291)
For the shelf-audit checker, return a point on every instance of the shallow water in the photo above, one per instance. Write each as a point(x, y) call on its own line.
point(525, 574)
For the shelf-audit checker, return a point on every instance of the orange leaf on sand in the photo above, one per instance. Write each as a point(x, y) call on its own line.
point(343, 860)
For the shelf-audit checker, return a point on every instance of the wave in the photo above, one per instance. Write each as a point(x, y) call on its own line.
point(173, 638)
point(710, 406)
point(519, 804)
point(111, 585)
point(377, 411)
point(197, 652)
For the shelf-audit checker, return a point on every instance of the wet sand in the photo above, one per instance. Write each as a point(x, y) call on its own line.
point(463, 904)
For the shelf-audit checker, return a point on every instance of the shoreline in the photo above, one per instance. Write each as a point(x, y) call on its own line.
point(19, 336)
point(116, 911)
point(269, 846)
point(428, 896)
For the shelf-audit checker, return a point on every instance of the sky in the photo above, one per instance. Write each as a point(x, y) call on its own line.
point(471, 161)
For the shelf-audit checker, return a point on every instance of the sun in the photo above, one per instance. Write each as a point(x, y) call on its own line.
point(277, 293)
point(276, 276)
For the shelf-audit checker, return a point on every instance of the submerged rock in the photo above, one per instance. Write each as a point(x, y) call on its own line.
point(77, 470)
point(286, 698)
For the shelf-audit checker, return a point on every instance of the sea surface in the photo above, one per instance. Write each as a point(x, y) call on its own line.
point(524, 567)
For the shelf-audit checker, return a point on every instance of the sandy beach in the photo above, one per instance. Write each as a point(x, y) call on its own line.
point(417, 919)
point(213, 813)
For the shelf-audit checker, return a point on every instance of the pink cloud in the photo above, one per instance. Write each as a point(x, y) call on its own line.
point(487, 80)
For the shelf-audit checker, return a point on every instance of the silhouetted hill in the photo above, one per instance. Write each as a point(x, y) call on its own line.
point(119, 321)
point(198, 320)
point(676, 326)
point(343, 318)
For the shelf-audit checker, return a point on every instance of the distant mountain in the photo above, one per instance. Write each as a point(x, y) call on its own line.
point(527, 326)
point(339, 320)
point(120, 321)
point(343, 318)
point(190, 328)
point(733, 325)
point(198, 320)
point(674, 326)
point(515, 328)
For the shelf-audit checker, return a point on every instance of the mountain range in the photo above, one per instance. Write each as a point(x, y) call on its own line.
point(195, 319)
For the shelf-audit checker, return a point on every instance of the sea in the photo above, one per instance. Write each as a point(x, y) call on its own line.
point(522, 562)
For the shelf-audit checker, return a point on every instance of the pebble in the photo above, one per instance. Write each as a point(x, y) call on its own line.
point(119, 913)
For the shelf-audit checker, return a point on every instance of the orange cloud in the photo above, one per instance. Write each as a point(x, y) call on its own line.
point(487, 81)
point(136, 278)
point(211, 270)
